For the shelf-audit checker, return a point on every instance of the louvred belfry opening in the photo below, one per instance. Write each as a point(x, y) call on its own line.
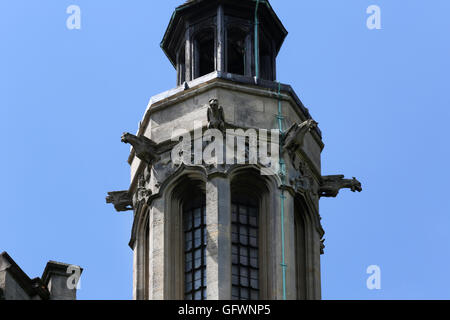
point(206, 36)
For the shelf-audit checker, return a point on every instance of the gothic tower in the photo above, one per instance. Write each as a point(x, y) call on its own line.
point(243, 223)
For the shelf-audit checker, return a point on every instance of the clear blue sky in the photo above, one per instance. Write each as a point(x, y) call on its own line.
point(381, 98)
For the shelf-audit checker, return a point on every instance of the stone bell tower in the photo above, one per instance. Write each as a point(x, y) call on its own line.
point(227, 228)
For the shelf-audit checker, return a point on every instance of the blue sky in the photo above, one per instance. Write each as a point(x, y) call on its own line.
point(381, 98)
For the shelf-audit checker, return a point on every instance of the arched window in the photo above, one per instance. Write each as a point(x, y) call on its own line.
point(236, 51)
point(194, 223)
point(300, 251)
point(245, 249)
point(204, 52)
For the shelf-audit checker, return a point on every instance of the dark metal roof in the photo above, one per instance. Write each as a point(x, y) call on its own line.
point(266, 12)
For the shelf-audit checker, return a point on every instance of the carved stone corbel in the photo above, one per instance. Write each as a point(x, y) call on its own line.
point(145, 149)
point(216, 116)
point(331, 185)
point(121, 200)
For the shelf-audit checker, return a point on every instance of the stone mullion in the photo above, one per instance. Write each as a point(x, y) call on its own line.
point(218, 228)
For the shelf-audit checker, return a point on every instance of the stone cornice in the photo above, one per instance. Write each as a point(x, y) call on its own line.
point(228, 81)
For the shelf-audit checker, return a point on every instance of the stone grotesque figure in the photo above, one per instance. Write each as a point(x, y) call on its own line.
point(145, 149)
point(303, 180)
point(216, 116)
point(142, 193)
point(121, 200)
point(331, 185)
point(295, 136)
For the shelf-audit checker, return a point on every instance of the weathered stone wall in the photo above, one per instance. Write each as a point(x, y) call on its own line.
point(244, 106)
point(11, 288)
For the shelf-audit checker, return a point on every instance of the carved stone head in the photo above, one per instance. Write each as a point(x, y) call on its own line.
point(125, 137)
point(214, 104)
point(356, 185)
point(311, 124)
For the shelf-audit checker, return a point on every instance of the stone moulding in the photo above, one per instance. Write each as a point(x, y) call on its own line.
point(224, 80)
point(226, 172)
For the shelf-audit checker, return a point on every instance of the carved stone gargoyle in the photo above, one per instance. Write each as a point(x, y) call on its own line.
point(295, 136)
point(121, 200)
point(216, 116)
point(331, 185)
point(145, 149)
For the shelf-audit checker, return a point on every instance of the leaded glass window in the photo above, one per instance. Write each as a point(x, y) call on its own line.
point(194, 221)
point(245, 255)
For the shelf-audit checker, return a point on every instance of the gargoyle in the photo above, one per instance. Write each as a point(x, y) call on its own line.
point(331, 185)
point(322, 246)
point(216, 116)
point(121, 200)
point(145, 149)
point(295, 136)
